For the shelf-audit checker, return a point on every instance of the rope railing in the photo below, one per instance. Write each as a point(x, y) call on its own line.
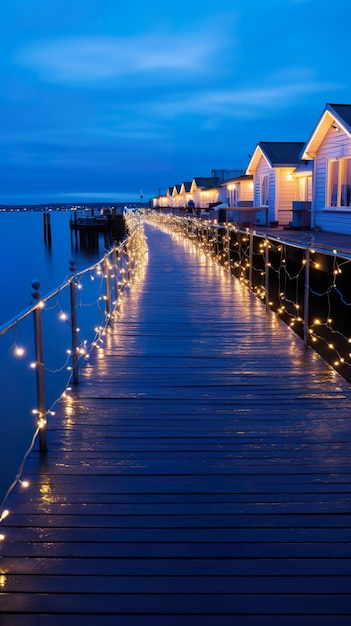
point(85, 319)
point(308, 286)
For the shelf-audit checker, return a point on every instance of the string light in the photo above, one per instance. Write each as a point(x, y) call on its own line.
point(19, 351)
point(131, 256)
point(243, 253)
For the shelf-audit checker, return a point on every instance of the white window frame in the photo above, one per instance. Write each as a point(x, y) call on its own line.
point(264, 190)
point(335, 197)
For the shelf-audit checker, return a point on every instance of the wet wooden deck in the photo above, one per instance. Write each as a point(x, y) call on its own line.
point(200, 473)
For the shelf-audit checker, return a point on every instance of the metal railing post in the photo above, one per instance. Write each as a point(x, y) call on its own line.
point(306, 297)
point(108, 286)
point(250, 259)
point(72, 269)
point(266, 272)
point(228, 245)
point(39, 358)
point(115, 273)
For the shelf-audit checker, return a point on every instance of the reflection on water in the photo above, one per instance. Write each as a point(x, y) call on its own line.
point(27, 255)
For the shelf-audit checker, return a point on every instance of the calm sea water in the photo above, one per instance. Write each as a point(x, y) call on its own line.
point(26, 257)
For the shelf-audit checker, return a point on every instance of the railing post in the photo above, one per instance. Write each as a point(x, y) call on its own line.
point(38, 342)
point(115, 273)
point(108, 286)
point(72, 269)
point(228, 245)
point(306, 297)
point(266, 272)
point(250, 259)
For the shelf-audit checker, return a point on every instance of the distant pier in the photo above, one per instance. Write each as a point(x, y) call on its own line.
point(88, 227)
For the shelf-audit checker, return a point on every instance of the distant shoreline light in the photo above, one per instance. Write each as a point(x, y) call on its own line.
point(65, 206)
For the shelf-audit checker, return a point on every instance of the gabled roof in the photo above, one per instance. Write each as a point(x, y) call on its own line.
point(176, 190)
point(338, 115)
point(205, 183)
point(169, 191)
point(303, 169)
point(277, 154)
point(186, 186)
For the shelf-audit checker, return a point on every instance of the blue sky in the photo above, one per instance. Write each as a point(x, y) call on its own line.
point(102, 98)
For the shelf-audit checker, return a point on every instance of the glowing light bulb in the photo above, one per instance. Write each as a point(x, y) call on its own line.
point(4, 514)
point(18, 351)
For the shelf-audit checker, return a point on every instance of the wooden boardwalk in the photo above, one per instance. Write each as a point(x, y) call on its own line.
point(199, 474)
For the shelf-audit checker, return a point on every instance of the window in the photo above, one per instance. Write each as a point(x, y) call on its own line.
point(264, 186)
point(339, 183)
point(304, 188)
point(233, 195)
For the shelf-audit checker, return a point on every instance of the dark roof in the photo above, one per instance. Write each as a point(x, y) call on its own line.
point(304, 167)
point(207, 182)
point(282, 153)
point(343, 111)
point(177, 188)
point(187, 185)
point(237, 179)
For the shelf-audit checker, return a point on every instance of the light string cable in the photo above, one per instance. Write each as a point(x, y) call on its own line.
point(137, 251)
point(290, 276)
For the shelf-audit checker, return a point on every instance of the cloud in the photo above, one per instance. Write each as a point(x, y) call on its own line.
point(94, 59)
point(248, 102)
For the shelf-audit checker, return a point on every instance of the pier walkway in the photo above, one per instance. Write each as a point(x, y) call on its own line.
point(198, 475)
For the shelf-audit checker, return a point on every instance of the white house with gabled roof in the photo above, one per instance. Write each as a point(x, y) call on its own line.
point(330, 149)
point(238, 191)
point(272, 166)
point(176, 197)
point(185, 194)
point(205, 192)
point(160, 202)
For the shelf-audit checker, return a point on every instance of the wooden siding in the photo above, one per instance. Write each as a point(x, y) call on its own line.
point(285, 194)
point(263, 169)
point(200, 473)
point(335, 144)
point(246, 191)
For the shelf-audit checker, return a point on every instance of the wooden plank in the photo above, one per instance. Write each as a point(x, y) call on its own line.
point(259, 560)
point(175, 620)
point(199, 473)
point(180, 584)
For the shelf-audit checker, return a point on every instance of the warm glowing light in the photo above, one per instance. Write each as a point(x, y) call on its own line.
point(19, 351)
point(63, 316)
point(4, 514)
